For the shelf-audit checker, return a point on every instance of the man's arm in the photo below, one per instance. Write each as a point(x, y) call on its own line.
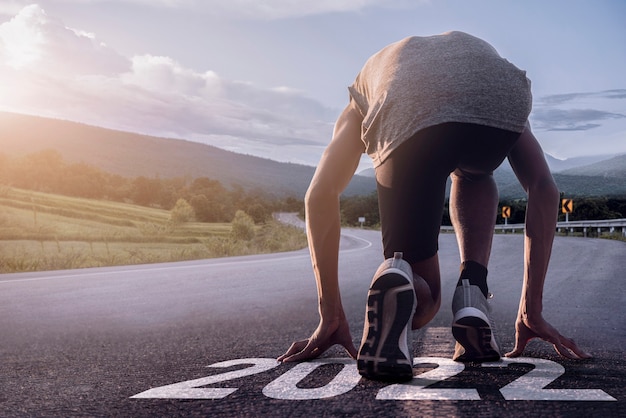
point(336, 168)
point(531, 169)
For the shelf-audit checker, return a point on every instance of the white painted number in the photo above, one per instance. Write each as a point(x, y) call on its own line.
point(529, 387)
point(417, 388)
point(190, 389)
point(285, 386)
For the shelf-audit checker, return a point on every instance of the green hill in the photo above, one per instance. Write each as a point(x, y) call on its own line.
point(611, 168)
point(133, 155)
point(604, 178)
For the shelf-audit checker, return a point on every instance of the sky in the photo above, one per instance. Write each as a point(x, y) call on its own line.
point(269, 77)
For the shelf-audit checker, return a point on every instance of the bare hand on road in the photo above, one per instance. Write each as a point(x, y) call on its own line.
point(525, 331)
point(327, 334)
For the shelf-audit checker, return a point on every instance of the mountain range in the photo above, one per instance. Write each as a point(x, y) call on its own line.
point(600, 175)
point(132, 155)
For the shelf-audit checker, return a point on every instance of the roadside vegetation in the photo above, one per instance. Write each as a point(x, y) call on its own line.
point(55, 215)
point(42, 231)
point(585, 208)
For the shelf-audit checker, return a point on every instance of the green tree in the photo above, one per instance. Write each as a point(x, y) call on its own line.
point(182, 212)
point(82, 180)
point(592, 209)
point(242, 226)
point(354, 207)
point(146, 191)
point(40, 171)
point(258, 212)
point(219, 207)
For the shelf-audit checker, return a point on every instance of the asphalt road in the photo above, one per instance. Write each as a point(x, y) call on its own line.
point(199, 339)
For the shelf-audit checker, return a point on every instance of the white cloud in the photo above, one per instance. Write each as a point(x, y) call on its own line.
point(22, 42)
point(264, 9)
point(33, 40)
point(576, 124)
point(279, 9)
point(11, 7)
point(159, 73)
point(70, 74)
point(53, 70)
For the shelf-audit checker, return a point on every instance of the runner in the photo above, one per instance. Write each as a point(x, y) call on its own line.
point(424, 109)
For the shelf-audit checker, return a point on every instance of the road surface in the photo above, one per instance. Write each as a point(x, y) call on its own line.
point(199, 338)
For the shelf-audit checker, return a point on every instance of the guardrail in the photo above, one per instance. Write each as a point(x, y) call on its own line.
point(599, 226)
point(607, 225)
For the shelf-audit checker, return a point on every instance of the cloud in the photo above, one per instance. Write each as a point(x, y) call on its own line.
point(66, 73)
point(581, 123)
point(11, 7)
point(579, 111)
point(281, 9)
point(264, 9)
point(572, 119)
point(32, 38)
point(569, 97)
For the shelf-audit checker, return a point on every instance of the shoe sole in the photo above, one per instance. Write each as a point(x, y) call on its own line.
point(472, 330)
point(384, 353)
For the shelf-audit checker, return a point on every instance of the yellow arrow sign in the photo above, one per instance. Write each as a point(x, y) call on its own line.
point(506, 212)
point(567, 205)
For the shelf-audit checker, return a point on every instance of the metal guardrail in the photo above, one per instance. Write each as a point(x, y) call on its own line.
point(608, 225)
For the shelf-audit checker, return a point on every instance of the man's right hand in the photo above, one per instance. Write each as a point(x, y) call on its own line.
point(540, 328)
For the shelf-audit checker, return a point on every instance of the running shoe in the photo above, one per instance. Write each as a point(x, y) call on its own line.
point(472, 326)
point(384, 353)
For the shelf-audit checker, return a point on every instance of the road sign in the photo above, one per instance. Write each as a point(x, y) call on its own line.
point(567, 205)
point(506, 212)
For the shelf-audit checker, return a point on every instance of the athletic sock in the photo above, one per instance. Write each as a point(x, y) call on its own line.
point(476, 273)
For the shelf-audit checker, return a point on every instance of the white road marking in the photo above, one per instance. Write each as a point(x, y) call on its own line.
point(529, 387)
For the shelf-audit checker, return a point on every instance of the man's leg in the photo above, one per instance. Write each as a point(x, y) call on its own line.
point(427, 284)
point(473, 210)
point(473, 207)
point(474, 196)
point(411, 193)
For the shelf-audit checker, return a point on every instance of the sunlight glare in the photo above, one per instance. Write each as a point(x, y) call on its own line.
point(21, 40)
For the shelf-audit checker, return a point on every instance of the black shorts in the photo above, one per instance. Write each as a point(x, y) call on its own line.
point(412, 194)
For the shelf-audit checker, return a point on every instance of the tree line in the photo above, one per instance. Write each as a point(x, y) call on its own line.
point(210, 201)
point(46, 171)
point(585, 208)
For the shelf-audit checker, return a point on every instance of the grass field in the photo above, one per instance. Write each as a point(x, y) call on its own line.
point(40, 231)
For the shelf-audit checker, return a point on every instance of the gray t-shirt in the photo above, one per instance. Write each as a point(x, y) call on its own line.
point(425, 81)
